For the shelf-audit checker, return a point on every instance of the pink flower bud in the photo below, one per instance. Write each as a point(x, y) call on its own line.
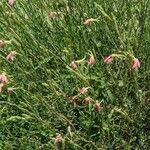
point(136, 64)
point(3, 78)
point(88, 22)
point(108, 60)
point(98, 107)
point(2, 44)
point(58, 138)
point(11, 2)
point(91, 60)
point(11, 56)
point(73, 65)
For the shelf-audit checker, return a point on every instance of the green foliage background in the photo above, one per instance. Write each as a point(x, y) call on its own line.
point(39, 107)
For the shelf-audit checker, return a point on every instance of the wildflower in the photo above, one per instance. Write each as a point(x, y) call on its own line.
point(98, 107)
point(3, 81)
point(58, 138)
point(108, 60)
point(91, 60)
point(87, 100)
point(83, 90)
point(11, 2)
point(11, 56)
point(88, 22)
point(73, 65)
point(2, 43)
point(3, 78)
point(136, 64)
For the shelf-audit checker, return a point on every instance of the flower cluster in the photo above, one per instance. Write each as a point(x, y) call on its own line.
point(90, 62)
point(135, 62)
point(10, 57)
point(86, 100)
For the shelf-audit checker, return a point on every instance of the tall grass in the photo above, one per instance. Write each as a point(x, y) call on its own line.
point(36, 104)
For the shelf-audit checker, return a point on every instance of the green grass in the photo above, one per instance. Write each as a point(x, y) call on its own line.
point(39, 107)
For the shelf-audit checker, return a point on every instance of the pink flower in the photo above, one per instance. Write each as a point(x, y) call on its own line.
point(3, 81)
point(98, 107)
point(91, 60)
point(3, 78)
point(2, 44)
point(136, 64)
point(11, 2)
point(73, 65)
point(11, 56)
point(58, 138)
point(108, 60)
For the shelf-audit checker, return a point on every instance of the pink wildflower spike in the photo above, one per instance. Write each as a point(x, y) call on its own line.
point(98, 107)
point(11, 56)
point(136, 64)
point(73, 65)
point(2, 44)
point(91, 60)
point(11, 2)
point(3, 78)
point(58, 138)
point(108, 60)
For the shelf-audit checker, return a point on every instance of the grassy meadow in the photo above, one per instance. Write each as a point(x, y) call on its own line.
point(75, 75)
